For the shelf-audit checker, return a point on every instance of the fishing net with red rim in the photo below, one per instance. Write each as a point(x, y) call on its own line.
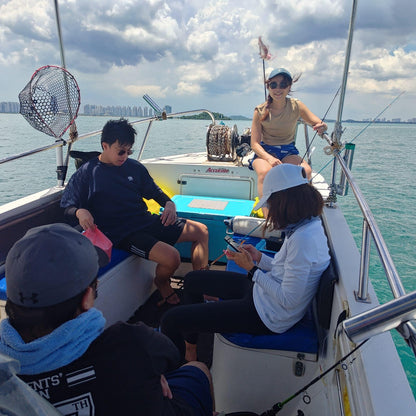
point(51, 100)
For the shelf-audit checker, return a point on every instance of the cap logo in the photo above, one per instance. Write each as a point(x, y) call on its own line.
point(33, 298)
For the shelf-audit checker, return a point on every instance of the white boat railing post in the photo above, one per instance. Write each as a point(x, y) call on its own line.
point(60, 170)
point(362, 294)
point(146, 136)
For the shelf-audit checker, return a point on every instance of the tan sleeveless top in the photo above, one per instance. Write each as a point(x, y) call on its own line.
point(281, 129)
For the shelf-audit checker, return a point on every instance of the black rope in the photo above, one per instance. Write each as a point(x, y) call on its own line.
point(279, 406)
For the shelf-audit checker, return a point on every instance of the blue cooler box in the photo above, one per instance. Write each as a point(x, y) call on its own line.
point(212, 212)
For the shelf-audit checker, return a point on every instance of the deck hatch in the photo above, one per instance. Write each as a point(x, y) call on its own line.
point(208, 204)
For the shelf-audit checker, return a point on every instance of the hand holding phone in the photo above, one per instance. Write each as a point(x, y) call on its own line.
point(231, 243)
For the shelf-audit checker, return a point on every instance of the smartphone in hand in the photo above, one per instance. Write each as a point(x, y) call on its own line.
point(234, 246)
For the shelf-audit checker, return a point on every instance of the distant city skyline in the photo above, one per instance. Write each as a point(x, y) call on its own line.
point(97, 110)
point(139, 111)
point(121, 110)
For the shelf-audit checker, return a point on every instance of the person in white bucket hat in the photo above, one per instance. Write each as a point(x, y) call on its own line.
point(283, 177)
point(275, 292)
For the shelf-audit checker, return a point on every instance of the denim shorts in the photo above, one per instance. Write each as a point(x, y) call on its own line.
point(279, 152)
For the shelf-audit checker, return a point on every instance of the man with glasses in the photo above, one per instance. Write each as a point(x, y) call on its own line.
point(65, 353)
point(108, 191)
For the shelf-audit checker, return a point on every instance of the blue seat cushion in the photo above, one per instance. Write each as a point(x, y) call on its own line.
point(3, 295)
point(117, 256)
point(302, 337)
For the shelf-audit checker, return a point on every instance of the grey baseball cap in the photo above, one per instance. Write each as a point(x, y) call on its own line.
point(279, 71)
point(48, 265)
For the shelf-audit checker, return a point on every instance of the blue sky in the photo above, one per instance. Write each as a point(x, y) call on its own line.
point(204, 54)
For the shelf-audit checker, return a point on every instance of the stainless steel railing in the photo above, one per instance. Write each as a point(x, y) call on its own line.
point(395, 314)
point(62, 143)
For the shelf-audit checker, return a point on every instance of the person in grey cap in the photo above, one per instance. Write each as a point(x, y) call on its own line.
point(276, 292)
point(65, 352)
point(273, 128)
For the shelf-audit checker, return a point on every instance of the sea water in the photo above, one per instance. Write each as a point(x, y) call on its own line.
point(383, 167)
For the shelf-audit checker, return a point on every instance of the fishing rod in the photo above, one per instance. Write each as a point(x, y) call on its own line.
point(279, 406)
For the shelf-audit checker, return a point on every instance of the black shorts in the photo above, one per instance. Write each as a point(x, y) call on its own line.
point(141, 242)
point(189, 385)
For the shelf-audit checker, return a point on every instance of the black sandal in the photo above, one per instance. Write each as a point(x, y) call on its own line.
point(165, 300)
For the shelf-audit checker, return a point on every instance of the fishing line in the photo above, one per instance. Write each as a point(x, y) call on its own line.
point(377, 116)
point(323, 118)
point(362, 131)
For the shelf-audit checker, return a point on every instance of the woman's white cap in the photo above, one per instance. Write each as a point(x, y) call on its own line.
point(281, 177)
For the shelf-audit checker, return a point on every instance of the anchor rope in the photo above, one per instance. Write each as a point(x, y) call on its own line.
point(219, 141)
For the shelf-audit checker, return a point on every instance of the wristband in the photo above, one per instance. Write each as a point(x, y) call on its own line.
point(251, 272)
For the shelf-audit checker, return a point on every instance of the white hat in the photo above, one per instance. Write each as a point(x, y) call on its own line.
point(281, 177)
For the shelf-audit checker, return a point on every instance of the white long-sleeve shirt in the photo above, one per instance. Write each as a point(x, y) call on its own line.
point(283, 293)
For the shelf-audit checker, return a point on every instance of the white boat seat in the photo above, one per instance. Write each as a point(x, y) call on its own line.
point(117, 256)
point(126, 277)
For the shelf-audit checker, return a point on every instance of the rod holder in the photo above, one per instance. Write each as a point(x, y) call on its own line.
point(155, 106)
point(342, 188)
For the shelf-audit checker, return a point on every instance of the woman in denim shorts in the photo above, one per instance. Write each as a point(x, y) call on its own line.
point(274, 127)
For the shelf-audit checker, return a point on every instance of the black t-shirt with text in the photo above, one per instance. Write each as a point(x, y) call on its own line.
point(119, 374)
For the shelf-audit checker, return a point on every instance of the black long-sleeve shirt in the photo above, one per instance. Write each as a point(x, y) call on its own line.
point(114, 196)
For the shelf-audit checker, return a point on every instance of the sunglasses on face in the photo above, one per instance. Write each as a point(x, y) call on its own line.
point(122, 152)
point(282, 85)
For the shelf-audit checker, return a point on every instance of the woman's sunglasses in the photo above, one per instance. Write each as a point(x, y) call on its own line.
point(122, 152)
point(282, 85)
